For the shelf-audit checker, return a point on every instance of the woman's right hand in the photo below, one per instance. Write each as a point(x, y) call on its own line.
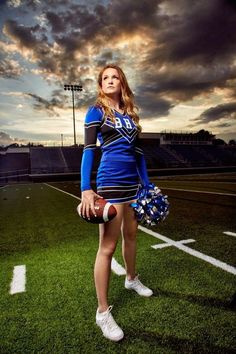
point(88, 198)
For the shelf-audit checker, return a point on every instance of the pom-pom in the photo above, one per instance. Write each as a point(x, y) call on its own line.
point(151, 206)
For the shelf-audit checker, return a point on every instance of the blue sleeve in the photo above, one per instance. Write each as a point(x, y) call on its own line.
point(141, 165)
point(86, 169)
point(92, 124)
point(142, 169)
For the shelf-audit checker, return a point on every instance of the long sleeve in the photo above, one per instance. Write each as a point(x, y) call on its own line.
point(86, 169)
point(142, 170)
point(92, 123)
point(141, 165)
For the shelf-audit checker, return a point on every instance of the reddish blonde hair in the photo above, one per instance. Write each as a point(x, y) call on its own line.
point(126, 96)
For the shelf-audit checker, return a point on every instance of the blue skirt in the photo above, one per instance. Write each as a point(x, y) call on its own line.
point(117, 181)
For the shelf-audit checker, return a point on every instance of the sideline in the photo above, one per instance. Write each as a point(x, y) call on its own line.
point(192, 190)
point(60, 190)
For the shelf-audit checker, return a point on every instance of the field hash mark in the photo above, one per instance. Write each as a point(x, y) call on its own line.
point(167, 244)
point(18, 280)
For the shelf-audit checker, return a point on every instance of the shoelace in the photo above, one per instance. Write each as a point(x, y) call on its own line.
point(108, 320)
point(138, 282)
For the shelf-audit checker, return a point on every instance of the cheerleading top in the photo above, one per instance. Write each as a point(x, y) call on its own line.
point(122, 164)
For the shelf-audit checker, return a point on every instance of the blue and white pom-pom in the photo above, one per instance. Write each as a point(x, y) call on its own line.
point(151, 206)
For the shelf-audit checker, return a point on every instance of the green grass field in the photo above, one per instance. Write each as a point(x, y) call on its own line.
point(193, 307)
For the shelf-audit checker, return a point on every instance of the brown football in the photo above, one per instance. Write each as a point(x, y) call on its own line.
point(105, 211)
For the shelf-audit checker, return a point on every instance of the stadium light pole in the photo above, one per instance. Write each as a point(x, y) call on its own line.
point(73, 88)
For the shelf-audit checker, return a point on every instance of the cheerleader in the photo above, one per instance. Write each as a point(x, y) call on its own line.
point(113, 121)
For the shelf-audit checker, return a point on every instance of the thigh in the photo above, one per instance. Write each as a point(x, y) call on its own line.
point(109, 232)
point(129, 224)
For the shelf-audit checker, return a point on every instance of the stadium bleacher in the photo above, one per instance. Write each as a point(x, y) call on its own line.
point(14, 164)
point(224, 155)
point(162, 151)
point(193, 154)
point(47, 160)
point(58, 159)
point(72, 156)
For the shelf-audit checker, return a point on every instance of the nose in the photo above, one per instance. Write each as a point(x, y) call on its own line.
point(110, 80)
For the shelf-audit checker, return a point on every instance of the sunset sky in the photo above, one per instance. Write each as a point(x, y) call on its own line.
point(179, 57)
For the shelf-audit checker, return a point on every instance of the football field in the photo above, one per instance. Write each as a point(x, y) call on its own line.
point(47, 296)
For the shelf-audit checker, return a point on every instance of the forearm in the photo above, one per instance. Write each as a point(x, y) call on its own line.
point(86, 169)
point(142, 169)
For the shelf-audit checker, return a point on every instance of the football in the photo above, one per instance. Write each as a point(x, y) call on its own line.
point(105, 212)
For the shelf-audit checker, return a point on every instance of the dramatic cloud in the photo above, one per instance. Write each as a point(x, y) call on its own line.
point(171, 51)
point(10, 69)
point(6, 139)
point(223, 111)
point(194, 36)
point(181, 83)
point(204, 32)
point(41, 104)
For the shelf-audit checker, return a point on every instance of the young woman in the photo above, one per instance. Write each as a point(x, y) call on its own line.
point(114, 122)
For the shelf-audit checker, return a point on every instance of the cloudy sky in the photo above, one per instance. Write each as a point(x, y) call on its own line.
point(178, 55)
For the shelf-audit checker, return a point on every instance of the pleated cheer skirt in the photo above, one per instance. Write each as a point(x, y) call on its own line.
point(117, 181)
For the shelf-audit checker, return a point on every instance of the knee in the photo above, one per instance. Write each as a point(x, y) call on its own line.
point(107, 250)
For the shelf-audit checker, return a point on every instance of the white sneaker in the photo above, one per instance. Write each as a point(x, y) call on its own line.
point(108, 325)
point(135, 284)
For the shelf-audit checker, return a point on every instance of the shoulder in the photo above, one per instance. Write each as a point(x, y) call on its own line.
point(94, 114)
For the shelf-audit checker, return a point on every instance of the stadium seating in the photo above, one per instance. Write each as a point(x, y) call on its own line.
point(14, 167)
point(162, 157)
point(222, 154)
point(56, 160)
point(47, 160)
point(14, 162)
point(194, 154)
point(72, 156)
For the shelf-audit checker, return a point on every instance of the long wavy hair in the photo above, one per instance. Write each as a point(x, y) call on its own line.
point(126, 97)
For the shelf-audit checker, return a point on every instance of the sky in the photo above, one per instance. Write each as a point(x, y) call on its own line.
point(179, 57)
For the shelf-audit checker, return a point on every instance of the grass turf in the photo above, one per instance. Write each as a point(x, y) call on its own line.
point(190, 311)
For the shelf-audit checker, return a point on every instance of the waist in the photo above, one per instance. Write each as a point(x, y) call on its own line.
point(119, 158)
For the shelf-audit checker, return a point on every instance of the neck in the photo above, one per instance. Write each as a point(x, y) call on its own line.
point(114, 102)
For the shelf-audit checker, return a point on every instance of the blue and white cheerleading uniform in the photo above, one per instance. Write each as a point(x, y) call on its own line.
point(122, 164)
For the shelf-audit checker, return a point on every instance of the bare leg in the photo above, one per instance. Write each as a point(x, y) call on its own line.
point(129, 232)
point(109, 234)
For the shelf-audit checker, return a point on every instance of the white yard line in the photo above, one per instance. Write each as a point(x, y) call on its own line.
point(211, 260)
point(229, 233)
point(60, 190)
point(117, 268)
point(18, 280)
point(205, 182)
point(194, 191)
point(164, 245)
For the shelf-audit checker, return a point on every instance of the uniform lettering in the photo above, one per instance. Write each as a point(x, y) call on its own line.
point(127, 123)
point(118, 123)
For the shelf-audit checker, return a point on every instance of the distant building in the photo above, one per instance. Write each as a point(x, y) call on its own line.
point(202, 137)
